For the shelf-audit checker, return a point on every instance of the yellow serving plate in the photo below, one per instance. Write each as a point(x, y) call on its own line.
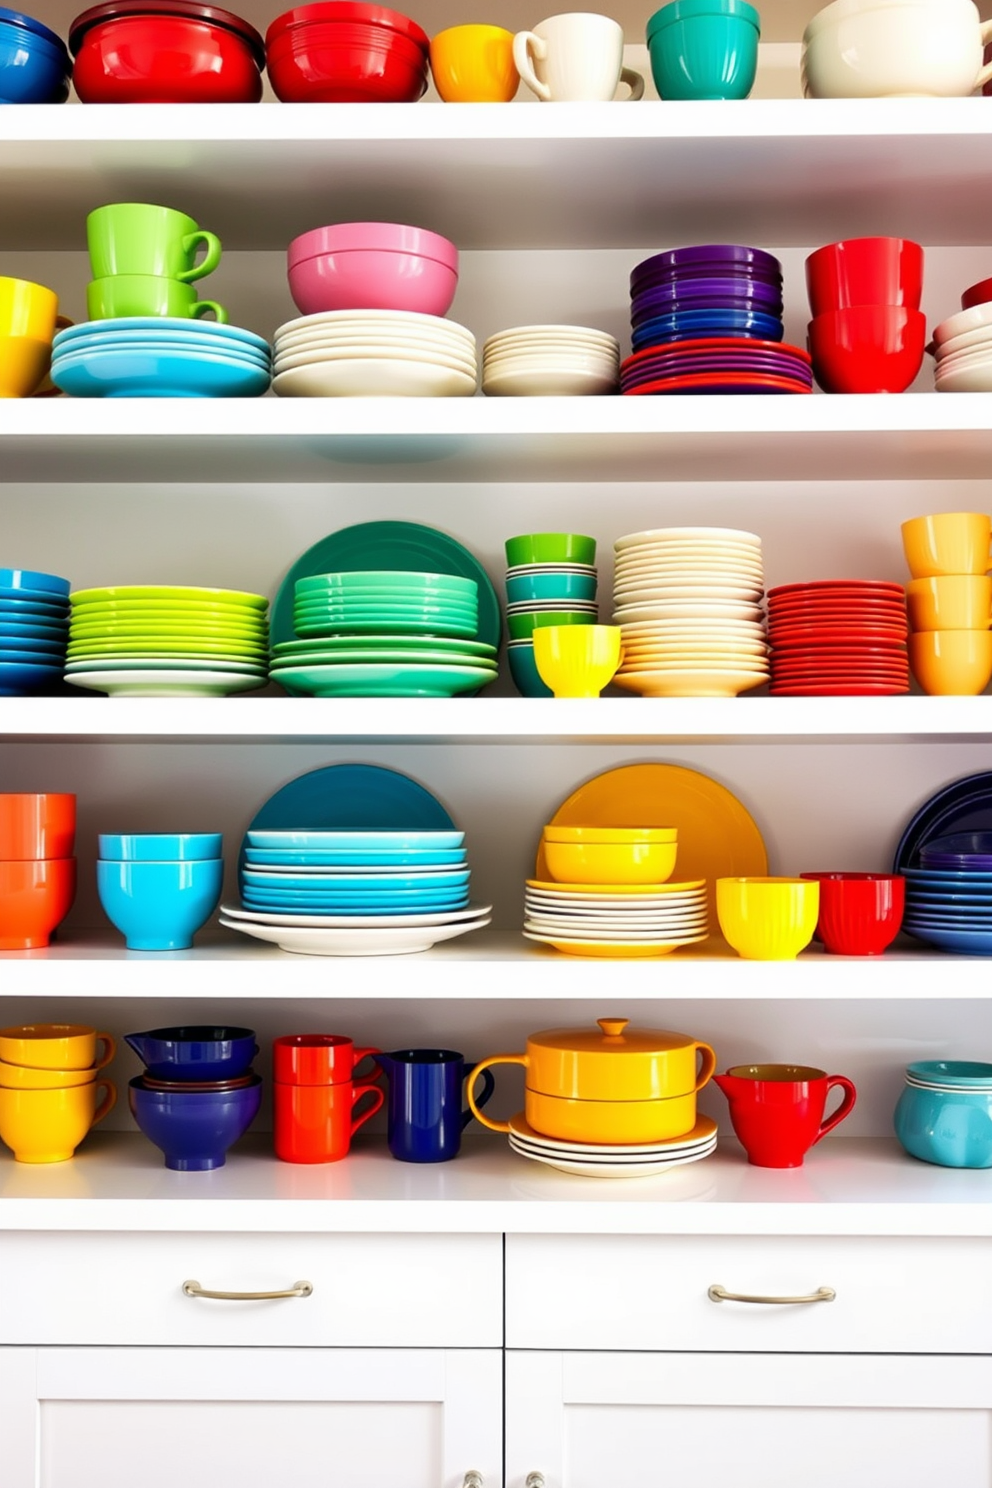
point(620, 950)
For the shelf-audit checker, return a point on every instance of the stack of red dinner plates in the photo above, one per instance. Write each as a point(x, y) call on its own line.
point(838, 638)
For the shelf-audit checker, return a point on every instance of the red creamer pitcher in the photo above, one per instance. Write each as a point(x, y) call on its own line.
point(777, 1109)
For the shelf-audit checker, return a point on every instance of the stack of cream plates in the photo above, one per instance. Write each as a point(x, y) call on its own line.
point(688, 603)
point(599, 1160)
point(374, 353)
point(616, 920)
point(550, 361)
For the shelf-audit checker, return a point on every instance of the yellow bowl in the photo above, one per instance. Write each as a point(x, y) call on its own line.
point(767, 919)
point(951, 663)
point(610, 834)
point(947, 543)
point(577, 660)
point(20, 1077)
point(610, 862)
point(951, 602)
point(474, 64)
point(610, 1121)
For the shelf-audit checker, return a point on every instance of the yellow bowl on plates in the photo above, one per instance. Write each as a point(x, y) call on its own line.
point(610, 862)
point(767, 919)
point(577, 661)
point(610, 834)
point(951, 663)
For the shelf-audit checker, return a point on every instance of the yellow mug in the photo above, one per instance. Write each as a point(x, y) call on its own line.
point(46, 1126)
point(21, 1077)
point(947, 543)
point(55, 1046)
point(474, 64)
point(951, 663)
point(28, 320)
point(950, 602)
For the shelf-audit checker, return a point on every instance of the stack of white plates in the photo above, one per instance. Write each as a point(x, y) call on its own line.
point(962, 347)
point(550, 361)
point(616, 920)
point(599, 1160)
point(688, 602)
point(374, 353)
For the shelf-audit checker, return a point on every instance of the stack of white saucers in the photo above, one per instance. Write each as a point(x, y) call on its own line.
point(616, 1160)
point(550, 361)
point(618, 920)
point(962, 349)
point(688, 603)
point(374, 353)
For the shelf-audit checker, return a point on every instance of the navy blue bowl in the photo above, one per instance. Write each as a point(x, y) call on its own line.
point(197, 1052)
point(34, 68)
point(194, 1128)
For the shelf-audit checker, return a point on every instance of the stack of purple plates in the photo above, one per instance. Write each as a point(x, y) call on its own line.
point(965, 852)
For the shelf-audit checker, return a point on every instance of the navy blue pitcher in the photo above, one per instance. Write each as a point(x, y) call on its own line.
point(425, 1119)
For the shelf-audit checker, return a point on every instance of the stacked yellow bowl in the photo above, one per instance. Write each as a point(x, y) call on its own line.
point(950, 602)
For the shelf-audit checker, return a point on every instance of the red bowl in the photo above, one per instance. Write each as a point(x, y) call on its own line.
point(978, 294)
point(35, 898)
point(341, 12)
point(167, 51)
point(865, 271)
point(316, 64)
point(860, 913)
point(867, 348)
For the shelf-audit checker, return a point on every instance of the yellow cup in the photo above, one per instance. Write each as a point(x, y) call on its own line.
point(947, 543)
point(474, 64)
point(20, 1077)
point(951, 663)
point(767, 919)
point(951, 602)
point(46, 1126)
point(577, 660)
point(27, 309)
point(24, 364)
point(55, 1046)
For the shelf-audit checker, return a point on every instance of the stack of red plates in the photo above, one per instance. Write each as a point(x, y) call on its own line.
point(721, 364)
point(838, 638)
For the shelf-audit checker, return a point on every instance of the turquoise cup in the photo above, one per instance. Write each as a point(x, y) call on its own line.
point(704, 49)
point(523, 669)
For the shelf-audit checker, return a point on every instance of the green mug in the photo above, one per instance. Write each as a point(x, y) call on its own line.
point(132, 238)
point(143, 294)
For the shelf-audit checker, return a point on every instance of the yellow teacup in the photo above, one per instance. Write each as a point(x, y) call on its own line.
point(474, 64)
point(24, 364)
point(767, 919)
point(46, 1126)
point(21, 1077)
point(577, 660)
point(952, 663)
point(27, 309)
point(948, 543)
point(55, 1046)
point(951, 602)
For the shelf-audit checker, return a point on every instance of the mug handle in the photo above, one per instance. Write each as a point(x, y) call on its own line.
point(204, 307)
point(985, 73)
point(844, 1109)
point(524, 43)
point(634, 82)
point(109, 1100)
point(496, 1126)
point(206, 264)
point(357, 1055)
point(708, 1067)
point(489, 1085)
point(110, 1049)
point(378, 1097)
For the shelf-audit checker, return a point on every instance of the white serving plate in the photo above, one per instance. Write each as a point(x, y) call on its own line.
point(399, 941)
point(661, 535)
point(368, 377)
point(675, 682)
point(180, 683)
point(562, 382)
point(399, 336)
point(365, 351)
point(414, 319)
point(587, 1168)
point(357, 922)
point(704, 1132)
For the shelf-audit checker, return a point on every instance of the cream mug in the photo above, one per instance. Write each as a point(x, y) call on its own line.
point(575, 58)
point(895, 49)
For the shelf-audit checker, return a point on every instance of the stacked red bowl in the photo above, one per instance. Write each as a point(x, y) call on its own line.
point(838, 638)
point(165, 51)
point(343, 51)
point(868, 332)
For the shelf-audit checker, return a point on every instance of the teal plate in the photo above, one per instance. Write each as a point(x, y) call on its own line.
point(389, 680)
point(382, 656)
point(396, 546)
point(269, 857)
point(393, 642)
point(334, 882)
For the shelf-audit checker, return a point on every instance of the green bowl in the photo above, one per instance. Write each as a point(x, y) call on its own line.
point(522, 627)
point(550, 547)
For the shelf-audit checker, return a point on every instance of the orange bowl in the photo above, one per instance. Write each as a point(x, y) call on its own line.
point(35, 898)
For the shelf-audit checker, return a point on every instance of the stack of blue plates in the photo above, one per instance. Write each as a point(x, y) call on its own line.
point(949, 898)
point(160, 357)
point(355, 873)
point(34, 630)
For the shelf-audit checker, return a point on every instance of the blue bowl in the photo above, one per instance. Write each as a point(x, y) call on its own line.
point(953, 1131)
point(126, 373)
point(34, 68)
point(523, 669)
point(197, 1051)
point(159, 906)
point(160, 847)
point(522, 588)
point(25, 578)
point(194, 1128)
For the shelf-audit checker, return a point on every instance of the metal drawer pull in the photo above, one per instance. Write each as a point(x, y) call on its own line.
point(720, 1294)
point(534, 1480)
point(298, 1289)
point(473, 1479)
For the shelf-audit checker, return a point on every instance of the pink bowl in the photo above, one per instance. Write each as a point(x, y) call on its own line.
point(397, 237)
point(372, 278)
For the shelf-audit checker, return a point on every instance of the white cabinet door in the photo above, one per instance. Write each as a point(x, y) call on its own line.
point(617, 1420)
point(309, 1418)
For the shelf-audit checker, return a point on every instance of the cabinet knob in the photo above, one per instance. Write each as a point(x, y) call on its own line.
point(473, 1479)
point(534, 1480)
point(720, 1294)
point(298, 1289)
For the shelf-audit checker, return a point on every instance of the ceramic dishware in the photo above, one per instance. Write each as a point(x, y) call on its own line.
point(194, 1128)
point(159, 906)
point(34, 62)
point(372, 266)
point(346, 52)
point(194, 1052)
point(950, 602)
point(704, 48)
point(314, 1123)
point(550, 547)
point(46, 1126)
point(865, 271)
point(133, 51)
point(139, 238)
point(898, 49)
point(474, 64)
point(860, 914)
point(36, 825)
point(424, 1114)
point(870, 348)
point(127, 295)
point(577, 660)
point(605, 860)
point(23, 1077)
point(952, 663)
point(578, 56)
point(777, 1110)
point(948, 543)
point(158, 847)
point(35, 897)
point(318, 1059)
point(944, 1113)
point(56, 1046)
point(767, 919)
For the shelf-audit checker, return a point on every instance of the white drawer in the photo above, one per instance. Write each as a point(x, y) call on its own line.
point(649, 1292)
point(414, 1291)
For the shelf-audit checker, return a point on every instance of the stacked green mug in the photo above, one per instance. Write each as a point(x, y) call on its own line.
point(144, 263)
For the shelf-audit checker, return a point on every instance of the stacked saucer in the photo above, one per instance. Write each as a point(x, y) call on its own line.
point(374, 353)
point(34, 625)
point(838, 638)
point(550, 361)
point(160, 357)
point(167, 641)
point(613, 1160)
point(687, 600)
point(615, 920)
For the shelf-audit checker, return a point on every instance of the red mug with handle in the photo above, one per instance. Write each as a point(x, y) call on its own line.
point(777, 1109)
point(315, 1123)
point(319, 1059)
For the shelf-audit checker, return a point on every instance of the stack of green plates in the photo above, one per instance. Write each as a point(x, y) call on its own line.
point(167, 641)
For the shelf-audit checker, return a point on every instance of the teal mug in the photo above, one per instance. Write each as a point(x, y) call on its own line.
point(144, 294)
point(704, 49)
point(137, 238)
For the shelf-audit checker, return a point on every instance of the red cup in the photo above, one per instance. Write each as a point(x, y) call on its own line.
point(35, 826)
point(318, 1059)
point(860, 913)
point(867, 348)
point(777, 1110)
point(34, 900)
point(315, 1123)
point(865, 271)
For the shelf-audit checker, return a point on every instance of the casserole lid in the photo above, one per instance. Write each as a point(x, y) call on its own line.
point(115, 10)
point(28, 23)
point(612, 1062)
point(349, 10)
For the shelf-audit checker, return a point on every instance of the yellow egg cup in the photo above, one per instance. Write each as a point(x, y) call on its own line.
point(577, 661)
